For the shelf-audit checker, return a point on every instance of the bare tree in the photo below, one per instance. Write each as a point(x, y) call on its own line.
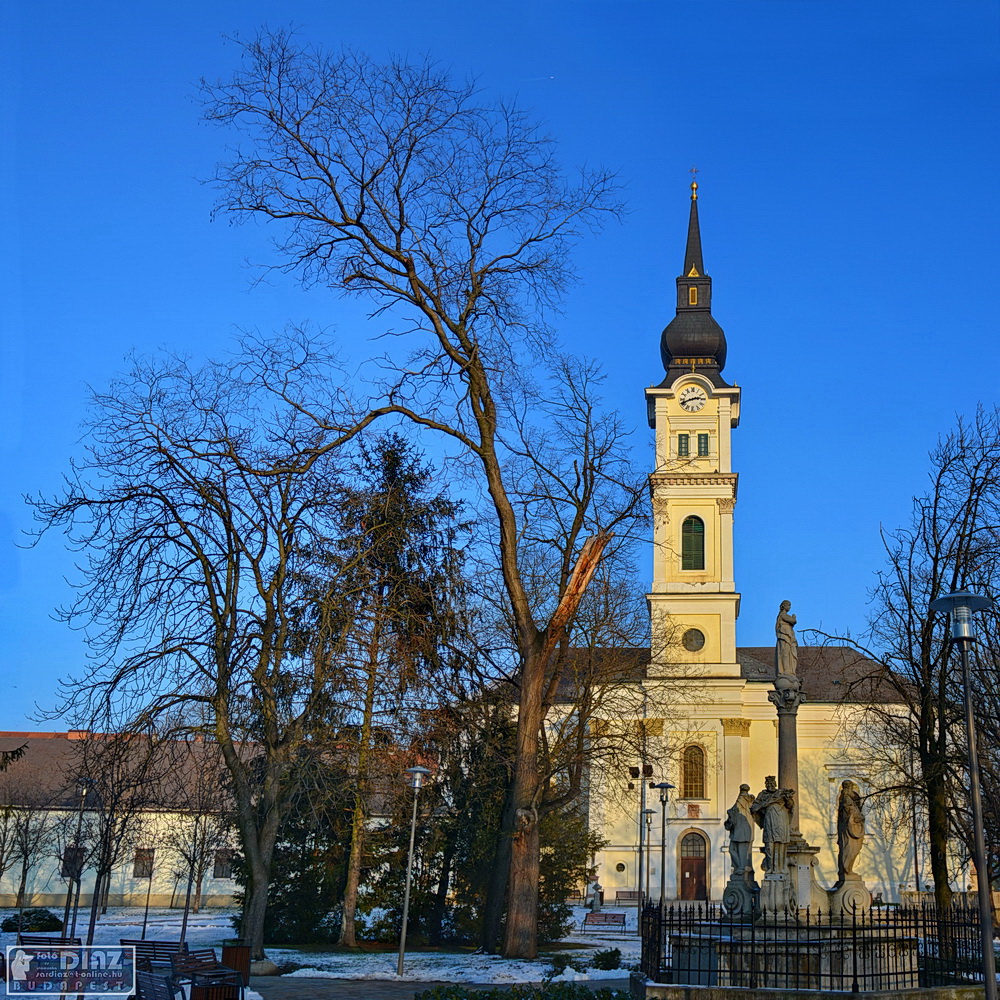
point(394, 183)
point(9, 809)
point(913, 720)
point(202, 494)
point(201, 826)
point(33, 833)
point(124, 771)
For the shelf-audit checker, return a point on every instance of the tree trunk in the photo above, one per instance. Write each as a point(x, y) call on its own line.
point(496, 893)
point(520, 935)
point(254, 908)
point(22, 887)
point(435, 929)
point(187, 904)
point(938, 827)
point(95, 903)
point(348, 938)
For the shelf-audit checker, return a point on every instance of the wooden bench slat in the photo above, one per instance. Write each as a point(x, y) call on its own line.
point(602, 919)
point(41, 940)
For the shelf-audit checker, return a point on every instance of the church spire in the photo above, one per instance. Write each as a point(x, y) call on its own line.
point(693, 340)
point(693, 266)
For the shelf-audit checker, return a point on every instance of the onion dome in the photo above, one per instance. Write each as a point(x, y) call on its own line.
point(693, 341)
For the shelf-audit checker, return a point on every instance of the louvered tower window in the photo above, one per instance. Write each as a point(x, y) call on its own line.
point(693, 543)
point(693, 773)
point(683, 445)
point(702, 445)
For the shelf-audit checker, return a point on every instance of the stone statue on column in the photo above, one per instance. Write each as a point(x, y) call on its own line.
point(772, 809)
point(739, 823)
point(798, 858)
point(740, 895)
point(850, 828)
point(850, 894)
point(786, 646)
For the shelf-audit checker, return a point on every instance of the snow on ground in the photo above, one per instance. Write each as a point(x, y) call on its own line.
point(207, 929)
point(210, 928)
point(423, 966)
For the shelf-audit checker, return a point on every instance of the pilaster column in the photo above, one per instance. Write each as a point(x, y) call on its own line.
point(735, 762)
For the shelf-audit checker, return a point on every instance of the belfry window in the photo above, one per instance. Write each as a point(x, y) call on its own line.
point(703, 446)
point(693, 543)
point(692, 295)
point(683, 445)
point(693, 773)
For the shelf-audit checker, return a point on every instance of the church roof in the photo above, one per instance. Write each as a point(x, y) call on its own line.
point(830, 674)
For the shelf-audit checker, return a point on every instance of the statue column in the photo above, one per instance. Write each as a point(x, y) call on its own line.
point(786, 698)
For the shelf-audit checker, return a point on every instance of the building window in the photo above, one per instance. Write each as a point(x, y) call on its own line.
point(72, 862)
point(693, 543)
point(693, 640)
point(693, 773)
point(142, 865)
point(683, 445)
point(693, 846)
point(223, 867)
point(703, 446)
point(692, 295)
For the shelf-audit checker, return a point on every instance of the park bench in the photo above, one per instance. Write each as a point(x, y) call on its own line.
point(153, 986)
point(209, 978)
point(602, 921)
point(47, 941)
point(627, 897)
point(154, 955)
point(575, 899)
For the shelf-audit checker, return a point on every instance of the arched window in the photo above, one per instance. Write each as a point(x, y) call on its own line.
point(693, 543)
point(693, 846)
point(693, 773)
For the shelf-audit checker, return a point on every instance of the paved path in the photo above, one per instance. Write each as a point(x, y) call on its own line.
point(301, 988)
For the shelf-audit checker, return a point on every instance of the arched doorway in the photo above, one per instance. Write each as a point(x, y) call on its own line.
point(692, 877)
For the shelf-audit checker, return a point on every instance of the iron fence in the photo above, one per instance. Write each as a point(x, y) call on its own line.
point(886, 948)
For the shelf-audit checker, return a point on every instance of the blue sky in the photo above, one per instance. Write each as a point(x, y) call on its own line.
point(848, 157)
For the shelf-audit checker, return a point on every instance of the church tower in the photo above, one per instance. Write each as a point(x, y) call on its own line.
point(693, 603)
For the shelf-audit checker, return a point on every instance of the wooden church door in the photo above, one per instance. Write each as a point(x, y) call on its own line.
point(693, 883)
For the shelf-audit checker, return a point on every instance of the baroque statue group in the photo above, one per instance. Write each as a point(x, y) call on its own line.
point(773, 812)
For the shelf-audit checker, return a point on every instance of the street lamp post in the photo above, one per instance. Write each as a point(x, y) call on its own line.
point(417, 775)
point(961, 604)
point(664, 788)
point(647, 815)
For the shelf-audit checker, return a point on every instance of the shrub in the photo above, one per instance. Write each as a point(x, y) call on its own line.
point(35, 919)
point(610, 958)
point(560, 963)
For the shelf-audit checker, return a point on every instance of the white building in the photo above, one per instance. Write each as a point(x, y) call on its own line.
point(707, 718)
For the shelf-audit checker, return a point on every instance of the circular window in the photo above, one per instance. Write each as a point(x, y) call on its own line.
point(693, 640)
point(620, 867)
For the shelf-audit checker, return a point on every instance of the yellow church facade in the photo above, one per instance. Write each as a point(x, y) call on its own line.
point(706, 722)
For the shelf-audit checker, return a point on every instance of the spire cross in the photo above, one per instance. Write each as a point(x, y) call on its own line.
point(694, 183)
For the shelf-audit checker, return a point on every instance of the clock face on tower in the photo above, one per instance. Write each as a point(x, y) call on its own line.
point(692, 398)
